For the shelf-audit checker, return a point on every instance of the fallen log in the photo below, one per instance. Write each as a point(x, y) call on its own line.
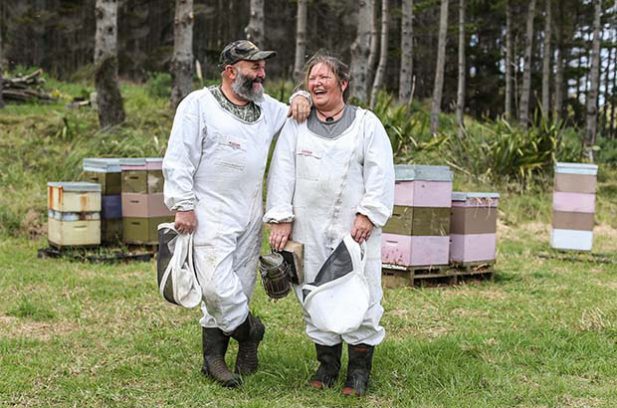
point(25, 88)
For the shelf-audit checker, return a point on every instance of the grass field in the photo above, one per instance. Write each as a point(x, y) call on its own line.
point(542, 333)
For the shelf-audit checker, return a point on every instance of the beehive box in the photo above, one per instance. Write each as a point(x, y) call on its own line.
point(422, 186)
point(417, 234)
point(142, 230)
point(111, 207)
point(144, 205)
point(414, 251)
point(67, 196)
point(418, 221)
point(73, 229)
point(104, 171)
point(473, 227)
point(143, 176)
point(112, 230)
point(574, 206)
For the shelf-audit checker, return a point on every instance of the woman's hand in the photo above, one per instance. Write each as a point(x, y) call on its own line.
point(362, 228)
point(279, 235)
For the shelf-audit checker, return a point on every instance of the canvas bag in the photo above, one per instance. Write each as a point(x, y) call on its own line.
point(338, 298)
point(177, 280)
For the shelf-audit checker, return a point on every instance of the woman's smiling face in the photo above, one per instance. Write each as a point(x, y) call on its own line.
point(324, 86)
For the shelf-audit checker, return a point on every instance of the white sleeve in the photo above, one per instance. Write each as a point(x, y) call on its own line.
point(182, 156)
point(279, 113)
point(378, 173)
point(282, 176)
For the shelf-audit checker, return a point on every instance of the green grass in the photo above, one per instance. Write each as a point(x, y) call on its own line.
point(543, 333)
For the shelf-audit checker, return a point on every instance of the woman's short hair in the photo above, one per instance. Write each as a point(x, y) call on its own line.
point(338, 67)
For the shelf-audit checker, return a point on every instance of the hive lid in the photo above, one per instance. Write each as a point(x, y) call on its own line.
point(75, 185)
point(408, 172)
point(102, 165)
point(577, 168)
point(464, 196)
point(140, 161)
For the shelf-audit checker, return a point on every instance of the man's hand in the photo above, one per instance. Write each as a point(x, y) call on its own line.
point(279, 235)
point(299, 108)
point(185, 222)
point(362, 228)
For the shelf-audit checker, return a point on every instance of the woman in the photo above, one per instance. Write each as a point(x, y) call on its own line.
point(330, 176)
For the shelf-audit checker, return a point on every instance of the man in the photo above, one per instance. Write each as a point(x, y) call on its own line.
point(213, 168)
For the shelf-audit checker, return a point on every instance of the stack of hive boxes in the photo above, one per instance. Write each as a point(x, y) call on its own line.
point(574, 201)
point(417, 235)
point(108, 173)
point(73, 214)
point(473, 228)
point(143, 208)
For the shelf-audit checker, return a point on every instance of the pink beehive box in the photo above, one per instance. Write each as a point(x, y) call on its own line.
point(144, 205)
point(401, 251)
point(422, 186)
point(574, 203)
point(473, 227)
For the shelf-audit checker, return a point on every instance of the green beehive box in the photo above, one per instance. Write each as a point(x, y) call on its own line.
point(142, 181)
point(111, 230)
point(419, 221)
point(111, 183)
point(138, 230)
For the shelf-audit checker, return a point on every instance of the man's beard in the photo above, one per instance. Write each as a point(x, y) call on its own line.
point(243, 87)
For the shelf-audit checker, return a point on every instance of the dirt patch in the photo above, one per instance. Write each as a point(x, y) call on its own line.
point(13, 327)
point(578, 402)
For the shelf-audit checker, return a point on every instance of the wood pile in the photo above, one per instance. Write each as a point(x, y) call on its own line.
point(26, 88)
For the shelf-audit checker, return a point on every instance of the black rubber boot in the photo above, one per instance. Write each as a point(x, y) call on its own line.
point(359, 369)
point(329, 358)
point(215, 343)
point(249, 334)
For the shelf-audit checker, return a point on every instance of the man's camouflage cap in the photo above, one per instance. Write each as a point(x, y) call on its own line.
point(242, 50)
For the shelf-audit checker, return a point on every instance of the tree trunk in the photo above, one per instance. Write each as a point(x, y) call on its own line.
point(374, 53)
point(613, 131)
point(182, 61)
point(526, 90)
point(1, 59)
point(607, 79)
point(404, 87)
point(108, 99)
point(439, 69)
point(460, 93)
point(559, 66)
point(592, 95)
point(255, 31)
point(300, 40)
point(360, 50)
point(383, 55)
point(509, 62)
point(546, 63)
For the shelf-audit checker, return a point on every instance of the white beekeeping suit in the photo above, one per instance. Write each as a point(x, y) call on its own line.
point(215, 164)
point(321, 184)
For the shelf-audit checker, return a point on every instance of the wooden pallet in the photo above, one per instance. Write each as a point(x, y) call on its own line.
point(442, 274)
point(579, 256)
point(99, 254)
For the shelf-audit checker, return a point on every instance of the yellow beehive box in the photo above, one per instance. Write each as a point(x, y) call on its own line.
point(73, 229)
point(67, 196)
